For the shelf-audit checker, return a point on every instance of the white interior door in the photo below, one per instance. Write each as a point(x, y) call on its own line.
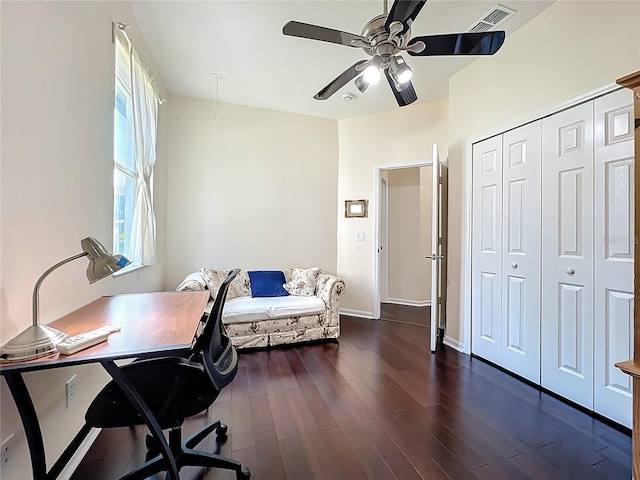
point(614, 242)
point(521, 251)
point(486, 257)
point(567, 254)
point(436, 242)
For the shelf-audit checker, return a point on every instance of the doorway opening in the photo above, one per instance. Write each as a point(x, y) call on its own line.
point(410, 244)
point(405, 244)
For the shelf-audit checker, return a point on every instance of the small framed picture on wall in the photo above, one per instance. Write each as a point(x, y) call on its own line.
point(355, 208)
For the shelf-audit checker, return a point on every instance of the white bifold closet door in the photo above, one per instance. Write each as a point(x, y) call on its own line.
point(486, 240)
point(567, 254)
point(506, 251)
point(521, 251)
point(614, 234)
point(552, 252)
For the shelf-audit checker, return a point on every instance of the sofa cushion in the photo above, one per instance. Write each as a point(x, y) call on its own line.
point(267, 283)
point(241, 284)
point(303, 281)
point(247, 309)
point(214, 278)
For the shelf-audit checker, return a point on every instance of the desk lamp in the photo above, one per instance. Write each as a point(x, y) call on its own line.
point(41, 340)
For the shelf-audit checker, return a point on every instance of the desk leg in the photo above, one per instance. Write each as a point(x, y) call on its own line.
point(151, 422)
point(29, 418)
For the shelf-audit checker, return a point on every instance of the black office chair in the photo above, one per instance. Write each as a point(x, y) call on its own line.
point(175, 388)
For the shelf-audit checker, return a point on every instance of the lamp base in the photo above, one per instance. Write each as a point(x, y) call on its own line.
point(34, 342)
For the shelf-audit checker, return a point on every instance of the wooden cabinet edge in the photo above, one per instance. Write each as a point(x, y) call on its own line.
point(630, 368)
point(630, 81)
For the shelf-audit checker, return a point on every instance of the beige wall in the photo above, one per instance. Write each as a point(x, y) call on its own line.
point(570, 49)
point(260, 194)
point(56, 160)
point(409, 271)
point(398, 136)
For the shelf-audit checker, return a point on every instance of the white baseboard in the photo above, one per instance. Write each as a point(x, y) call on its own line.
point(453, 343)
point(356, 313)
point(75, 461)
point(409, 303)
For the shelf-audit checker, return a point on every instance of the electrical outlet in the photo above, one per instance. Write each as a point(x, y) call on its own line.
point(7, 450)
point(70, 389)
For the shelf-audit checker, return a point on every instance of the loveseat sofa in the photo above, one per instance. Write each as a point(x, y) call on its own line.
point(295, 305)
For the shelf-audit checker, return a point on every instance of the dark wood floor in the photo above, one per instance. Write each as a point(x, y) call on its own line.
point(378, 405)
point(405, 314)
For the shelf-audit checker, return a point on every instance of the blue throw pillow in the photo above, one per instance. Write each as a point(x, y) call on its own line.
point(267, 283)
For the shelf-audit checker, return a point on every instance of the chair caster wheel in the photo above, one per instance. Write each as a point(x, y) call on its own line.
point(245, 474)
point(221, 431)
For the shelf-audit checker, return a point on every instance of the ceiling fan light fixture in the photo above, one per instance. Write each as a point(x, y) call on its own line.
point(372, 73)
point(405, 76)
point(400, 70)
point(361, 84)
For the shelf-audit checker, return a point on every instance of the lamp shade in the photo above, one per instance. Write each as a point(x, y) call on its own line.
point(101, 262)
point(41, 340)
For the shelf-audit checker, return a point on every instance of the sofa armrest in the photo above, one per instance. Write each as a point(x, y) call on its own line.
point(194, 281)
point(329, 288)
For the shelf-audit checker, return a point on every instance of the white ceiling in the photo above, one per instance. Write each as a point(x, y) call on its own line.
point(243, 41)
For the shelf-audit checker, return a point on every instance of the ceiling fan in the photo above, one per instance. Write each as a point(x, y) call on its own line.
point(383, 38)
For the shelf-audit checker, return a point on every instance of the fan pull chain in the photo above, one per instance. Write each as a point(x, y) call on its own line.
point(215, 102)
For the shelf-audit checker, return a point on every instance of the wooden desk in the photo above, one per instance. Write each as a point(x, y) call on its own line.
point(152, 325)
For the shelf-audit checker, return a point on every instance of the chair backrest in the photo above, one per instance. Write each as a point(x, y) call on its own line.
point(213, 346)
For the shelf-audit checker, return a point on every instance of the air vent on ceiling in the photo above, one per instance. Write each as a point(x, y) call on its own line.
point(493, 17)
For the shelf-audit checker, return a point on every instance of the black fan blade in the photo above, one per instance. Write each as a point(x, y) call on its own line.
point(405, 12)
point(314, 32)
point(484, 43)
point(406, 96)
point(344, 78)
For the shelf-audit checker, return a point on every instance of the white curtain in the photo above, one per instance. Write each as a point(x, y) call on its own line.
point(144, 97)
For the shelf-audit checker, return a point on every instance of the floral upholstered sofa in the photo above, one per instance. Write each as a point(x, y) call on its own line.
point(294, 305)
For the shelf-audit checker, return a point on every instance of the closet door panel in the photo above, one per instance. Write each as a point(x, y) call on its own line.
point(567, 254)
point(614, 234)
point(521, 251)
point(486, 332)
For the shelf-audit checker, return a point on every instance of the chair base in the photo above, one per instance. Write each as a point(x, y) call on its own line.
point(185, 455)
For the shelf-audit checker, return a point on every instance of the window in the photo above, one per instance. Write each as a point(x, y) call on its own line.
point(134, 127)
point(124, 175)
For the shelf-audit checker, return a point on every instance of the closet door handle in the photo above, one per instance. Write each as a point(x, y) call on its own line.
point(570, 271)
point(514, 265)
